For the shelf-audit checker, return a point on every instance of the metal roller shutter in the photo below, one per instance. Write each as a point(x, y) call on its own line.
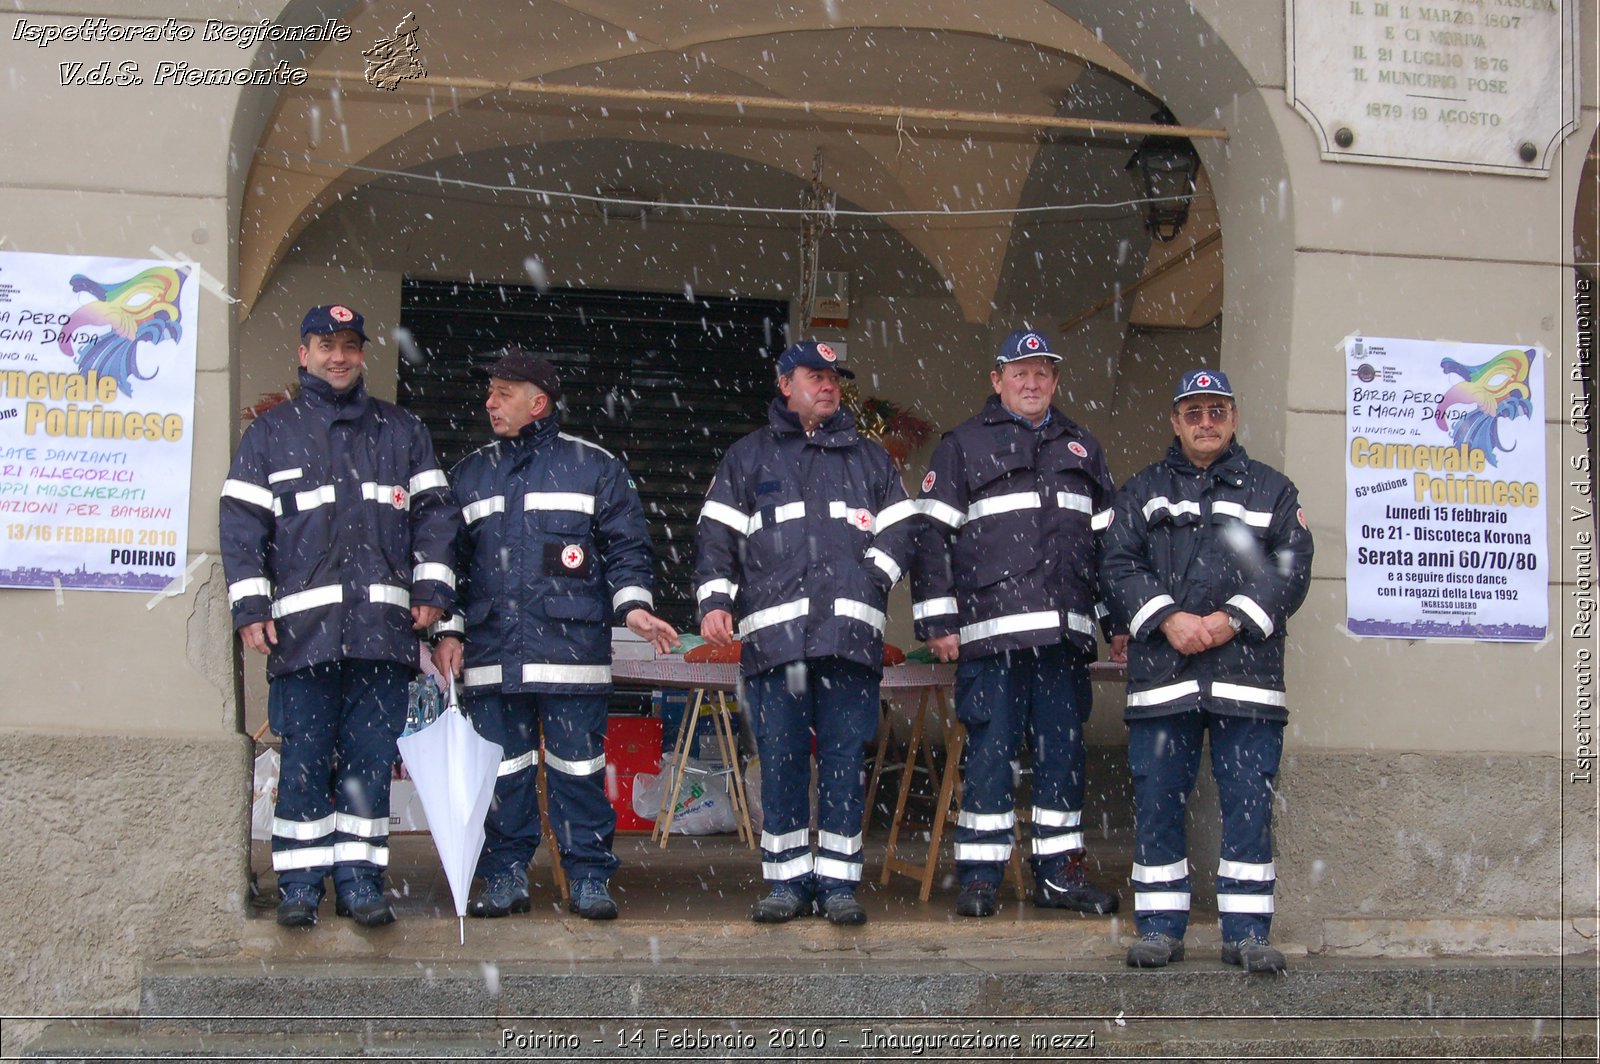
point(664, 382)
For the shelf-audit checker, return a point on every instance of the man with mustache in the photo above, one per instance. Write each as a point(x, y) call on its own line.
point(1207, 555)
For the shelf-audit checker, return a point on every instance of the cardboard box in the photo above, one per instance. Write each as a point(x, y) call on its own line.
point(406, 815)
point(633, 745)
point(627, 646)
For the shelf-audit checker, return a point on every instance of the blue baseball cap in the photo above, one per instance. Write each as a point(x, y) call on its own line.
point(1024, 343)
point(812, 354)
point(335, 317)
point(1202, 382)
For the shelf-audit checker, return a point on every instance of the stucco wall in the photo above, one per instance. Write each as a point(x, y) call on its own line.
point(120, 850)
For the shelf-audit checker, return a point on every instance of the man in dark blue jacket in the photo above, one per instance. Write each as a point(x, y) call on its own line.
point(805, 529)
point(1207, 556)
point(1005, 584)
point(336, 527)
point(553, 550)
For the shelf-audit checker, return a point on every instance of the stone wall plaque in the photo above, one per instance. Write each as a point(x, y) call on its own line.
point(1483, 85)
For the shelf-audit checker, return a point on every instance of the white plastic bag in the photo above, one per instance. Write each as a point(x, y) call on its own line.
point(703, 806)
point(647, 788)
point(264, 797)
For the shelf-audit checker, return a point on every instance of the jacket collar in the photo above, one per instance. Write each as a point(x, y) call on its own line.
point(351, 402)
point(532, 435)
point(1057, 424)
point(1230, 466)
point(838, 431)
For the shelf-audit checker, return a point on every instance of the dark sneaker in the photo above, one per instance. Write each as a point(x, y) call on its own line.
point(1254, 954)
point(365, 904)
point(1155, 950)
point(843, 909)
point(977, 899)
point(591, 900)
point(1070, 889)
point(504, 894)
point(782, 905)
point(298, 907)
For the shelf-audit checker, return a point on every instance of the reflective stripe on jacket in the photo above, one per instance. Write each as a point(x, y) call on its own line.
point(554, 549)
point(335, 520)
point(1231, 537)
point(1010, 549)
point(800, 538)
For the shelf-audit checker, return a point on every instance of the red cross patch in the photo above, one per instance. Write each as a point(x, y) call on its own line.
point(398, 498)
point(338, 313)
point(861, 519)
point(927, 482)
point(1078, 449)
point(1031, 342)
point(1202, 381)
point(826, 352)
point(572, 556)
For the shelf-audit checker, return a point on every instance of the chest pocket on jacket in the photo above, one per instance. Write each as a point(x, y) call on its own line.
point(567, 514)
point(574, 608)
point(778, 534)
point(1242, 532)
point(1004, 510)
point(985, 469)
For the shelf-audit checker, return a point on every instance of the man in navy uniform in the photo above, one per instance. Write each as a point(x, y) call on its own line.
point(805, 528)
point(336, 527)
point(553, 550)
point(1005, 584)
point(1207, 556)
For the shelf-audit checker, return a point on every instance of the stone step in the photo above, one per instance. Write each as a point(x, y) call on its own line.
point(448, 996)
point(1259, 1039)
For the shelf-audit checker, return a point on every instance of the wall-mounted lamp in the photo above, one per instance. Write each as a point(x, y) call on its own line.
point(1167, 168)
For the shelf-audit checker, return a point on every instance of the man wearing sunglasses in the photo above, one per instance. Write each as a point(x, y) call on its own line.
point(1207, 556)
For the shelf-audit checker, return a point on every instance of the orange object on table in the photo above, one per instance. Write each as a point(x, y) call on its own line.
point(706, 654)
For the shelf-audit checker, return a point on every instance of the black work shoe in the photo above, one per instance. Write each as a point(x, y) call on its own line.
point(366, 905)
point(1155, 950)
point(504, 894)
point(843, 909)
point(1070, 889)
point(591, 900)
point(977, 899)
point(298, 907)
point(782, 905)
point(1254, 954)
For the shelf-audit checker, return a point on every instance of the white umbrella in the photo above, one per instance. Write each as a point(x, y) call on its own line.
point(454, 769)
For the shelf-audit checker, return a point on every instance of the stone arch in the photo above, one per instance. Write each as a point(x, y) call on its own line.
point(1206, 61)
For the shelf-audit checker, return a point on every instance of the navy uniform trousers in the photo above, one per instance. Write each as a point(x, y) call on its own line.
point(837, 701)
point(581, 816)
point(1164, 756)
point(339, 722)
point(1041, 694)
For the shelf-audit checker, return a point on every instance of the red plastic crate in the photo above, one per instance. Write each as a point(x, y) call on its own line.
point(633, 745)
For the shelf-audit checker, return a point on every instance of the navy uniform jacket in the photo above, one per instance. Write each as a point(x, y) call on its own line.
point(801, 538)
point(1231, 537)
point(1009, 555)
point(335, 521)
point(553, 550)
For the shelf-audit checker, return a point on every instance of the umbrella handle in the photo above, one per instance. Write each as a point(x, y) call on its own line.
point(454, 702)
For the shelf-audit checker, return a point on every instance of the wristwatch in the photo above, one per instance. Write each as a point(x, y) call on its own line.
point(1234, 622)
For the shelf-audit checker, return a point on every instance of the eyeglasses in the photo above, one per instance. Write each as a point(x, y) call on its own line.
point(1196, 414)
